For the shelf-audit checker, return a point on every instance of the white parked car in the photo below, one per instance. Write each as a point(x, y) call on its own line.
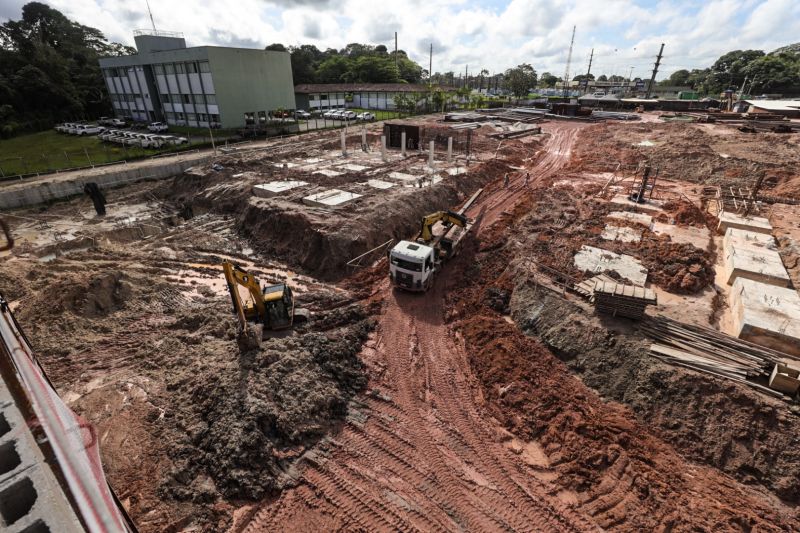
point(348, 115)
point(157, 127)
point(329, 113)
point(72, 129)
point(106, 135)
point(172, 139)
point(302, 114)
point(365, 116)
point(118, 122)
point(88, 129)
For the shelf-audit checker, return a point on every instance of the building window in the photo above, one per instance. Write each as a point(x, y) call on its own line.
point(323, 97)
point(191, 68)
point(169, 68)
point(191, 117)
point(214, 119)
point(179, 68)
point(203, 117)
point(170, 116)
point(175, 98)
point(205, 67)
point(198, 99)
point(159, 69)
point(211, 99)
point(187, 99)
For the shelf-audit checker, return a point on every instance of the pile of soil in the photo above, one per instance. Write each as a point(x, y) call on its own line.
point(611, 466)
point(194, 426)
point(712, 421)
point(685, 213)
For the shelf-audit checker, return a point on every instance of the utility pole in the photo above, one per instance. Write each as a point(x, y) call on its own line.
point(655, 71)
point(430, 67)
point(466, 75)
point(395, 52)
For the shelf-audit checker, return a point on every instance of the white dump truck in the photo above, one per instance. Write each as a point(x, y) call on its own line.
point(412, 264)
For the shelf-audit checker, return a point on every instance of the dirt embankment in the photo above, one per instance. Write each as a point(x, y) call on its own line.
point(322, 242)
point(612, 467)
point(693, 152)
point(189, 424)
point(753, 438)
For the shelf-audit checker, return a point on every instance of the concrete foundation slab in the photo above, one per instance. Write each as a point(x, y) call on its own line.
point(766, 315)
point(762, 265)
point(653, 207)
point(748, 239)
point(330, 198)
point(639, 218)
point(274, 188)
point(353, 168)
point(328, 172)
point(380, 184)
point(753, 256)
point(754, 224)
point(697, 237)
point(622, 234)
point(591, 259)
point(455, 171)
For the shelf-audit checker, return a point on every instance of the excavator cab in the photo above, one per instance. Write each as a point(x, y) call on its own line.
point(272, 307)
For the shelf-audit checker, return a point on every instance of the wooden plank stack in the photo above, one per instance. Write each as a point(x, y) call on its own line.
point(586, 287)
point(619, 299)
point(711, 352)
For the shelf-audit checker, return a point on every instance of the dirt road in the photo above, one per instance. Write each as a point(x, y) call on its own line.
point(426, 456)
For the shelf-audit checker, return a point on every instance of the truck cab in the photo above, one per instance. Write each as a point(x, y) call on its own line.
point(411, 266)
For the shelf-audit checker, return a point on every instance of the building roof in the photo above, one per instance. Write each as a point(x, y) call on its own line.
point(776, 105)
point(307, 88)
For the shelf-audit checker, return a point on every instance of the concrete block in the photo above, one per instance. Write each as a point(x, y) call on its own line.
point(353, 168)
point(766, 315)
point(330, 198)
point(639, 218)
point(754, 224)
point(622, 234)
point(380, 184)
point(697, 237)
point(785, 378)
point(275, 188)
point(748, 239)
point(328, 172)
point(597, 260)
point(764, 265)
point(402, 177)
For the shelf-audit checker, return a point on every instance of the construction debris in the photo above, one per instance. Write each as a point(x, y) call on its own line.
point(619, 299)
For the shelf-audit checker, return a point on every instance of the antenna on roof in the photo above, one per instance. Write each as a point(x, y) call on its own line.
point(153, 22)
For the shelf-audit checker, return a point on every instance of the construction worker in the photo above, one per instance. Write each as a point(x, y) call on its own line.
point(505, 181)
point(527, 177)
point(97, 197)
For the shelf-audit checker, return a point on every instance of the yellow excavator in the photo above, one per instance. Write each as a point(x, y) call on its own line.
point(272, 307)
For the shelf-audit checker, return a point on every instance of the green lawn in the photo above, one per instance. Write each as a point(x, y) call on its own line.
point(47, 151)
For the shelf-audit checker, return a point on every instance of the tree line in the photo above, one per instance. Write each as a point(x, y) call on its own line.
point(49, 70)
point(355, 63)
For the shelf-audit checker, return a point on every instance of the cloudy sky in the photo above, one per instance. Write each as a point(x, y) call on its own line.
point(490, 34)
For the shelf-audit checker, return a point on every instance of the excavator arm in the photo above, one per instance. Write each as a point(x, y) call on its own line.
point(235, 276)
point(447, 217)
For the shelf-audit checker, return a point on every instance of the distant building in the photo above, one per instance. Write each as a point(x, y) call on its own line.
point(787, 108)
point(313, 96)
point(200, 86)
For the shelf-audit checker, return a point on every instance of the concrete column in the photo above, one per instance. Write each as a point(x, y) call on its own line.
point(403, 143)
point(344, 144)
point(430, 156)
point(383, 147)
point(364, 139)
point(449, 149)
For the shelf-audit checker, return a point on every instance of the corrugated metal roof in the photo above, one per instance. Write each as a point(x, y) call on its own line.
point(776, 105)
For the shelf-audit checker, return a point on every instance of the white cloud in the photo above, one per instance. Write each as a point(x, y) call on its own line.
point(494, 35)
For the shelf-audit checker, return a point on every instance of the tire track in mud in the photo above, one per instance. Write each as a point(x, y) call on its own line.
point(427, 458)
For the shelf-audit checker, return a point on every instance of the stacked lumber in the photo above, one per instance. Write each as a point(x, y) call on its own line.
point(711, 352)
point(620, 299)
point(586, 287)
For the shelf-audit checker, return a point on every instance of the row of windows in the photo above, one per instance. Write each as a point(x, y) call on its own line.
point(122, 71)
point(182, 68)
point(210, 99)
point(333, 96)
point(127, 97)
point(192, 117)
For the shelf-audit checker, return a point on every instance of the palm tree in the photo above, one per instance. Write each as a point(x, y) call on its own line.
point(484, 72)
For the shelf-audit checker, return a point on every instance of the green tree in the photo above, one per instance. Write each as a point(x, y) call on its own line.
point(775, 73)
point(49, 69)
point(548, 80)
point(276, 47)
point(335, 69)
point(520, 80)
